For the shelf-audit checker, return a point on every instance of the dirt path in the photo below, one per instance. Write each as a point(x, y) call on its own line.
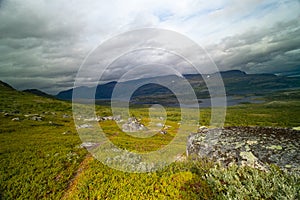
point(74, 181)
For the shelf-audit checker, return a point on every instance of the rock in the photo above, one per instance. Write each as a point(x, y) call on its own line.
point(65, 116)
point(15, 112)
point(54, 124)
point(94, 119)
point(166, 127)
point(67, 133)
point(114, 118)
point(31, 115)
point(133, 119)
point(117, 118)
point(159, 125)
point(201, 128)
point(252, 146)
point(107, 118)
point(36, 118)
point(163, 132)
point(85, 126)
point(6, 114)
point(89, 145)
point(133, 125)
point(15, 119)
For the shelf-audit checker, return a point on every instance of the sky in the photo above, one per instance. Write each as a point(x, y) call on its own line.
point(43, 43)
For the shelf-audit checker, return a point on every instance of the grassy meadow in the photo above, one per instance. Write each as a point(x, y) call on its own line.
point(43, 159)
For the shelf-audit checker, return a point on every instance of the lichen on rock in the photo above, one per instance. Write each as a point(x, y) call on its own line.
point(251, 146)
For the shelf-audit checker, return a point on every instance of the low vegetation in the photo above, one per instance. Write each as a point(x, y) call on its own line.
point(44, 160)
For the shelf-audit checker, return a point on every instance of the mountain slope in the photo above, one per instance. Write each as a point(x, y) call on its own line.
point(5, 86)
point(38, 93)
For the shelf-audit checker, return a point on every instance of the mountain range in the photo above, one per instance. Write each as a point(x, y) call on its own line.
point(236, 83)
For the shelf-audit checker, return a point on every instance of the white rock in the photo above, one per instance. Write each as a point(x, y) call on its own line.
point(15, 119)
point(85, 126)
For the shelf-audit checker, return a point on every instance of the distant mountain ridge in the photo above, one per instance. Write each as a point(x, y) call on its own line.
point(236, 83)
point(38, 92)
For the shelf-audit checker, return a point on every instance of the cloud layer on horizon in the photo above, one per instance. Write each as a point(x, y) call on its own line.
point(43, 43)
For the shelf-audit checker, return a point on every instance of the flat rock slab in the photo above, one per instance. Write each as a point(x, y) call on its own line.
point(251, 146)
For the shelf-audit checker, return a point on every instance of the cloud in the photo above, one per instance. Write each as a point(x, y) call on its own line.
point(264, 50)
point(43, 43)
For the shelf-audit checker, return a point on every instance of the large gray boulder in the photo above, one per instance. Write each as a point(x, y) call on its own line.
point(251, 146)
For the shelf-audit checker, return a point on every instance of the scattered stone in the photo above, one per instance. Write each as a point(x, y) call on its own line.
point(163, 132)
point(133, 125)
point(202, 128)
point(67, 133)
point(112, 118)
point(166, 127)
point(107, 118)
point(117, 118)
point(85, 126)
point(93, 119)
point(159, 125)
point(31, 115)
point(65, 116)
point(6, 114)
point(251, 146)
point(36, 118)
point(15, 119)
point(55, 124)
point(89, 145)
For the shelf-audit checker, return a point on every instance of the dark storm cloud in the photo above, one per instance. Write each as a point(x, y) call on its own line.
point(43, 43)
point(265, 50)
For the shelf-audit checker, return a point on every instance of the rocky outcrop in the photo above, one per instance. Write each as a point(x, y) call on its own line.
point(133, 125)
point(251, 146)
